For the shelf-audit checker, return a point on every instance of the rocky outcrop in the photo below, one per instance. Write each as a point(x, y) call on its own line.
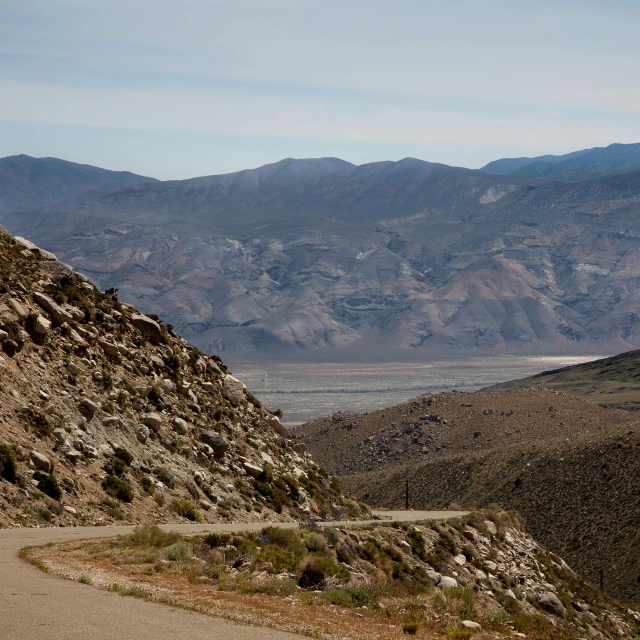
point(118, 414)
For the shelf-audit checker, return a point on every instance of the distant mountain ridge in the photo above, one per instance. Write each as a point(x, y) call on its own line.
point(572, 167)
point(320, 254)
point(28, 183)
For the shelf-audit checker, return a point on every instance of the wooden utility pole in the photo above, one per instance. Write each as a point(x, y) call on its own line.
point(406, 494)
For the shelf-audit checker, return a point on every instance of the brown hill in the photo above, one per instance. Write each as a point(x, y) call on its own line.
point(609, 382)
point(109, 415)
point(569, 467)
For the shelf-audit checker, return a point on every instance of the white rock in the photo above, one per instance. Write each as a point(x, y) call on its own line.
point(446, 582)
point(234, 389)
point(491, 527)
point(460, 560)
point(470, 624)
point(40, 461)
point(153, 420)
point(41, 325)
point(142, 434)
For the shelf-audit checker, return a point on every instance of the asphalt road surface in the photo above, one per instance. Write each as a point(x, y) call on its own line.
point(34, 605)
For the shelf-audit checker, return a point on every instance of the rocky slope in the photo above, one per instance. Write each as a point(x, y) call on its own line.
point(320, 254)
point(569, 467)
point(480, 574)
point(609, 382)
point(108, 415)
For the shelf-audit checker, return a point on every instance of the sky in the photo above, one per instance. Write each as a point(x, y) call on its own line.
point(178, 89)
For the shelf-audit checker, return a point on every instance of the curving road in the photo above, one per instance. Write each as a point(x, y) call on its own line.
point(35, 605)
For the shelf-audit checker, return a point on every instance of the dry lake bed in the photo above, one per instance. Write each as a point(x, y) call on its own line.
point(307, 391)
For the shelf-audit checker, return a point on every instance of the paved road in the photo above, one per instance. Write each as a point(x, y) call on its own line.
point(35, 605)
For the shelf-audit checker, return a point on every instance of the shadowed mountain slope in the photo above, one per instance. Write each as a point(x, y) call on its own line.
point(572, 167)
point(321, 254)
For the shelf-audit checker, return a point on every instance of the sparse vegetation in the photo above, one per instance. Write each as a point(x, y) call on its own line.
point(117, 488)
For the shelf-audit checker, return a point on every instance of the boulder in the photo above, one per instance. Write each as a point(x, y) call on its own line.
point(41, 325)
point(153, 420)
point(180, 426)
point(234, 389)
point(142, 434)
point(60, 435)
point(470, 624)
point(73, 368)
point(110, 348)
point(73, 456)
point(253, 470)
point(57, 313)
point(447, 582)
point(460, 560)
point(3, 336)
point(216, 442)
point(76, 314)
point(435, 577)
point(277, 426)
point(18, 309)
point(209, 386)
point(551, 603)
point(148, 327)
point(491, 527)
point(183, 388)
point(87, 408)
point(157, 362)
point(168, 385)
point(300, 448)
point(40, 461)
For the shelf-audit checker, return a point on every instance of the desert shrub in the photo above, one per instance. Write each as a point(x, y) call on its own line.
point(348, 597)
point(48, 485)
point(459, 634)
point(124, 455)
point(270, 586)
point(215, 540)
point(115, 467)
point(315, 541)
point(531, 623)
point(457, 601)
point(286, 539)
point(117, 488)
point(178, 551)
point(165, 476)
point(148, 484)
point(9, 471)
point(275, 492)
point(410, 628)
point(317, 568)
point(85, 579)
point(150, 535)
point(417, 542)
point(187, 508)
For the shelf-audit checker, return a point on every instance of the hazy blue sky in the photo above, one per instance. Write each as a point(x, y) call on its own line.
point(176, 89)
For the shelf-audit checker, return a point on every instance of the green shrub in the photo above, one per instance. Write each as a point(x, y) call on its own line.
point(459, 634)
point(165, 476)
point(531, 623)
point(317, 568)
point(150, 535)
point(117, 488)
point(178, 551)
point(8, 463)
point(287, 539)
point(410, 628)
point(48, 485)
point(315, 541)
point(124, 455)
point(348, 597)
point(187, 508)
point(215, 540)
point(85, 579)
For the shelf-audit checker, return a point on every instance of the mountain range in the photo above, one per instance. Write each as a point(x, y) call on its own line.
point(319, 254)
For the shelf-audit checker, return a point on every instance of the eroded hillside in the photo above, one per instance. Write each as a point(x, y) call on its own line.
point(569, 467)
point(109, 415)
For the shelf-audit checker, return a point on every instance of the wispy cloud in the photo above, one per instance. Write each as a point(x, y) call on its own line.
point(544, 76)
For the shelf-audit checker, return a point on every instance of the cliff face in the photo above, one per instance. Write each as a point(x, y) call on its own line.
point(107, 414)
